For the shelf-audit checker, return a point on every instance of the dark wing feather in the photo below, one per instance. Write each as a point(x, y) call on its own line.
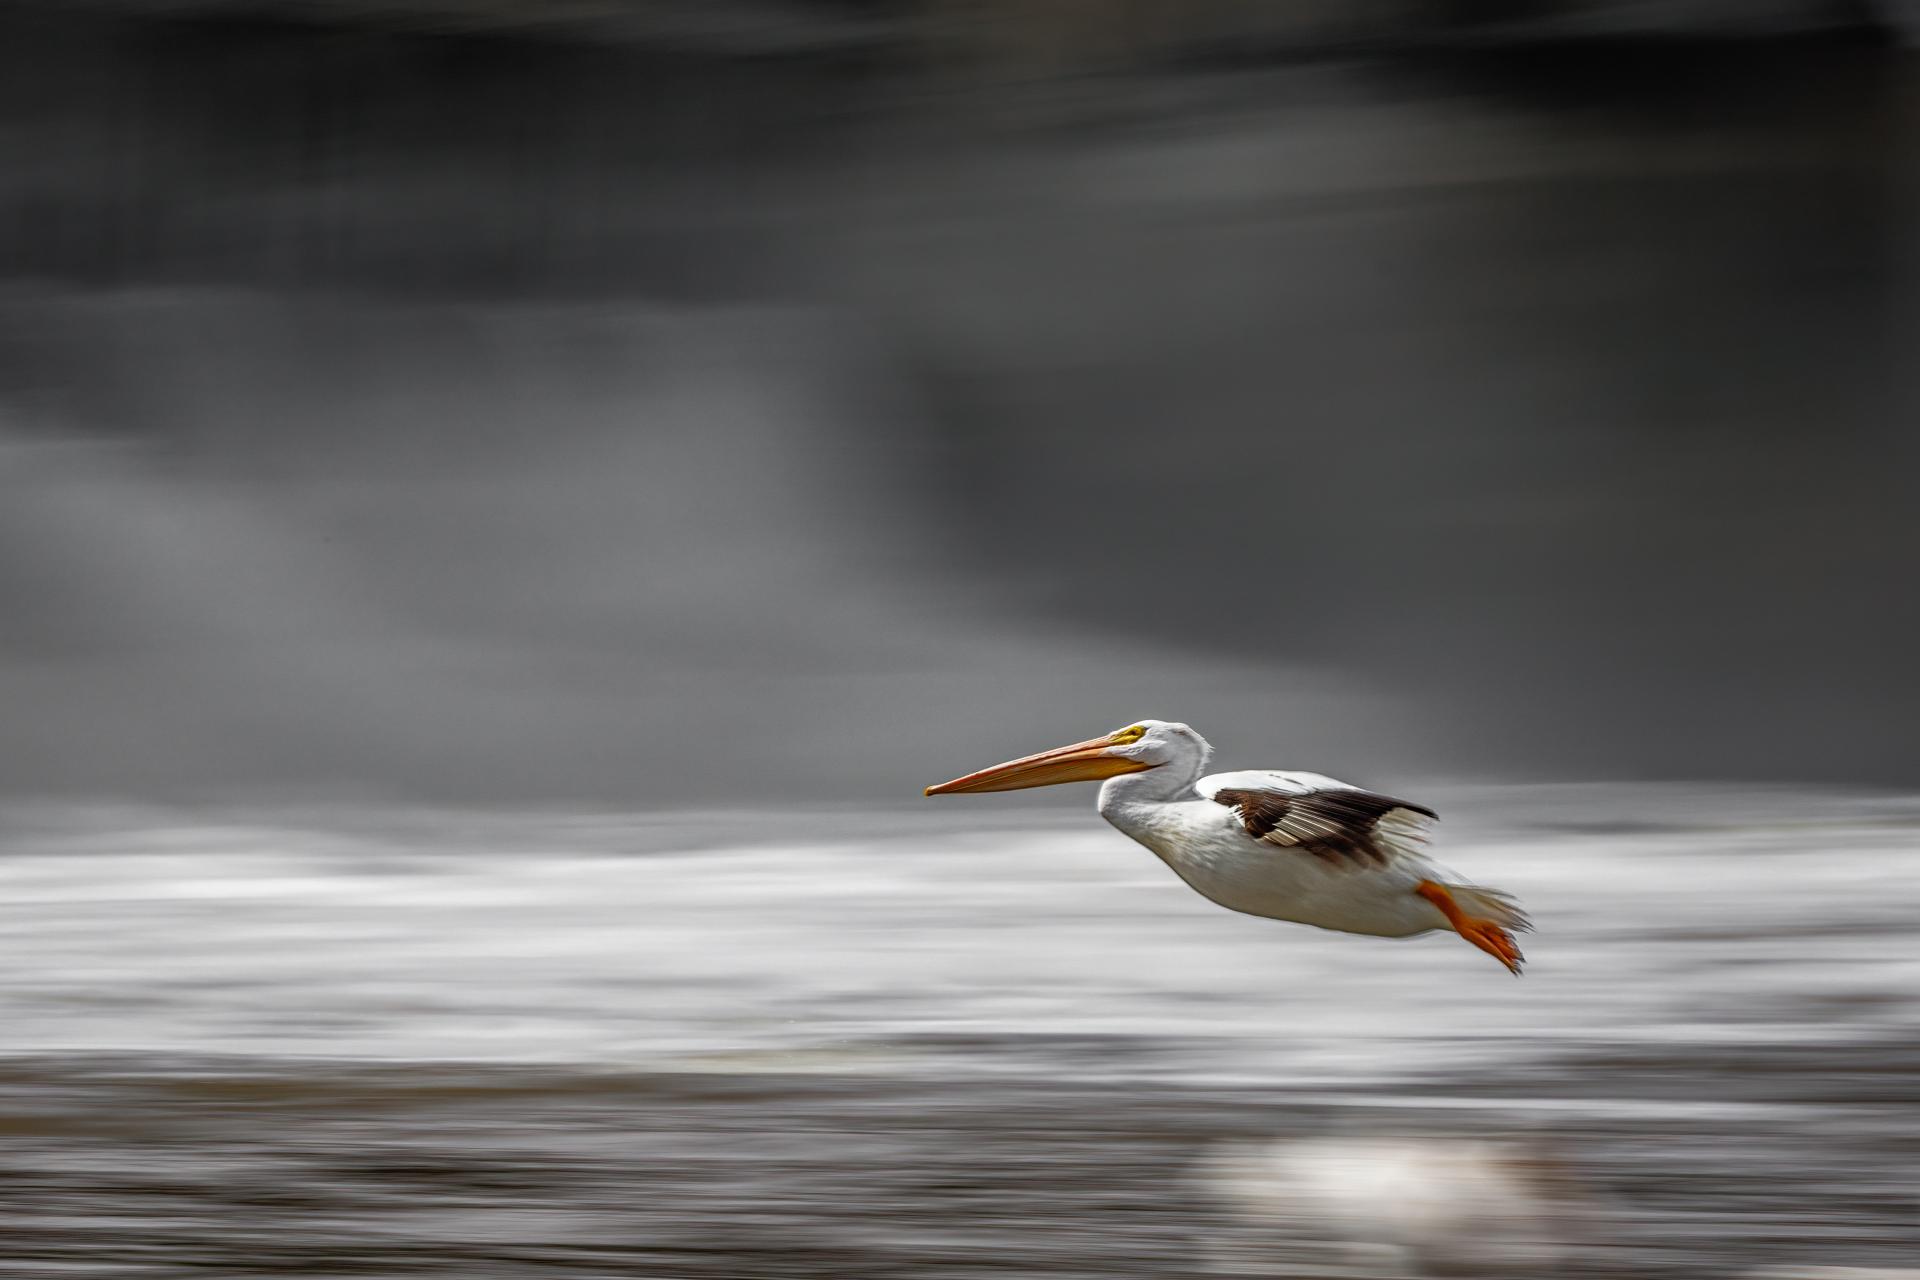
point(1336, 825)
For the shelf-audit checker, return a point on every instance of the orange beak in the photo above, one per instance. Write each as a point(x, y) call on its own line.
point(1082, 762)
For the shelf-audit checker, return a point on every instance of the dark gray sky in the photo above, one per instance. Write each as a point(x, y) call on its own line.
point(461, 437)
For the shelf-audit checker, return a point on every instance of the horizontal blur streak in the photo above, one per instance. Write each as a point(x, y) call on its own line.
point(1409, 1203)
point(464, 415)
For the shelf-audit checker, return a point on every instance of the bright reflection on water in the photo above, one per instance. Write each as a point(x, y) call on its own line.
point(965, 1044)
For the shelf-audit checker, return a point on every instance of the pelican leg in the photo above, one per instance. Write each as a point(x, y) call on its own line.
point(1480, 931)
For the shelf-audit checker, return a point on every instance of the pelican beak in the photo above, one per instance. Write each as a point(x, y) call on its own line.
point(1087, 761)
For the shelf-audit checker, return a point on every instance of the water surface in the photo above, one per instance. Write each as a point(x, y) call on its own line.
point(986, 1042)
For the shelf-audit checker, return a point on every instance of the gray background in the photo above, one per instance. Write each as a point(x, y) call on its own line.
point(653, 404)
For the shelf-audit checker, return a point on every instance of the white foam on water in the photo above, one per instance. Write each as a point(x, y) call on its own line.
point(250, 937)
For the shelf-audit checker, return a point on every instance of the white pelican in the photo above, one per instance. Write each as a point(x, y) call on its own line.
point(1289, 846)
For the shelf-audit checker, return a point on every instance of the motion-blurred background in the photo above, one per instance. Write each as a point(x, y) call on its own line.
point(504, 504)
point(637, 402)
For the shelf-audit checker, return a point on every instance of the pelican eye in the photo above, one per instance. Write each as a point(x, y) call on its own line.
point(1131, 734)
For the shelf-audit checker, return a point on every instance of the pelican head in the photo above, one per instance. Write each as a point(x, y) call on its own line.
point(1142, 745)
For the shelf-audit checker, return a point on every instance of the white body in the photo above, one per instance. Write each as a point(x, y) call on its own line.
point(1168, 809)
point(1288, 846)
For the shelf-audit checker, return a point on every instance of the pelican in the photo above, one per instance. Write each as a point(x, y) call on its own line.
point(1290, 846)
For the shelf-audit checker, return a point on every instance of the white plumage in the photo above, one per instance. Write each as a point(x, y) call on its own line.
point(1287, 845)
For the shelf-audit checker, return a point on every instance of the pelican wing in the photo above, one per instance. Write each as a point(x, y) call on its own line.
point(1323, 816)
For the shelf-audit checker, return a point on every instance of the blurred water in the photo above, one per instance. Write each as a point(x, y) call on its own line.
point(888, 1043)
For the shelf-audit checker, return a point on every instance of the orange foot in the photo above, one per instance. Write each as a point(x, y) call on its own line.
point(1480, 931)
